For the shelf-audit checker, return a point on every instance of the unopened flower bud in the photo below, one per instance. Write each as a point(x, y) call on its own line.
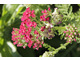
point(65, 38)
point(66, 35)
point(75, 28)
point(67, 30)
point(72, 36)
point(75, 33)
point(70, 33)
point(74, 39)
point(69, 41)
point(69, 36)
point(24, 47)
point(64, 31)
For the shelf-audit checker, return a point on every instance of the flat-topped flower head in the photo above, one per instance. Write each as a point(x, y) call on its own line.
point(71, 33)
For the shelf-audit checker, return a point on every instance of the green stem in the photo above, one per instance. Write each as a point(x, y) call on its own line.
point(62, 46)
point(52, 53)
point(48, 46)
point(59, 28)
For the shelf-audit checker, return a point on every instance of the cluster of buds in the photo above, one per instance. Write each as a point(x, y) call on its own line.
point(56, 16)
point(71, 33)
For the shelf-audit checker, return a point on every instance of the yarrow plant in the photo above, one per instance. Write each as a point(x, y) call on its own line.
point(33, 31)
point(25, 36)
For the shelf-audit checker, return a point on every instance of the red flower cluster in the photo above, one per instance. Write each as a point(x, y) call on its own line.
point(23, 35)
point(45, 17)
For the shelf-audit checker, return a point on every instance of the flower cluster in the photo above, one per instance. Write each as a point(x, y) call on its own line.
point(24, 33)
point(45, 16)
point(27, 14)
point(71, 33)
point(56, 16)
point(18, 38)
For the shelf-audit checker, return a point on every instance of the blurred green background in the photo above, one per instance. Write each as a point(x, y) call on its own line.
point(10, 16)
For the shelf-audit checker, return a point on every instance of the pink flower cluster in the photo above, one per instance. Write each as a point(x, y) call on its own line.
point(18, 38)
point(23, 35)
point(27, 14)
point(45, 15)
point(71, 33)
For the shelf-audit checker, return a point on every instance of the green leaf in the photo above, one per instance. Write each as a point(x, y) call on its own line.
point(1, 5)
point(1, 43)
point(0, 23)
point(79, 5)
point(9, 8)
point(7, 13)
point(63, 8)
point(9, 50)
point(60, 29)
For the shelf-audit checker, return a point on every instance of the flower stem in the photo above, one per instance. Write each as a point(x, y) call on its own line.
point(52, 53)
